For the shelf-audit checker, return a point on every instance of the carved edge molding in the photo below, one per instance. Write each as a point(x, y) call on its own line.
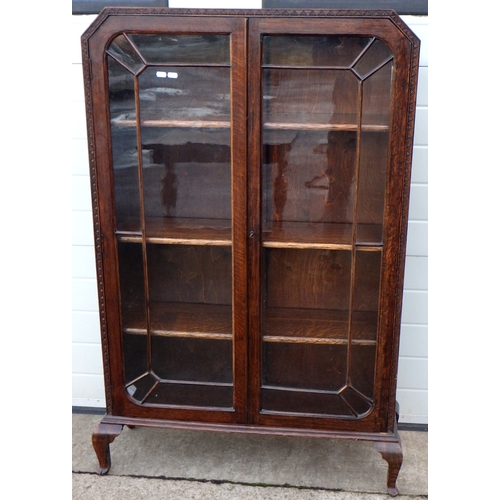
point(305, 13)
point(276, 12)
point(95, 214)
point(410, 132)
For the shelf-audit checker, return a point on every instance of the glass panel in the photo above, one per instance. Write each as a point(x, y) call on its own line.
point(366, 295)
point(324, 158)
point(177, 189)
point(123, 51)
point(309, 156)
point(374, 156)
point(303, 378)
point(306, 50)
point(192, 49)
point(186, 153)
point(133, 309)
point(305, 329)
point(186, 174)
point(310, 99)
point(190, 306)
point(124, 148)
point(372, 59)
point(185, 94)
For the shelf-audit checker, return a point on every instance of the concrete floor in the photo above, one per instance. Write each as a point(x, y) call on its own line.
point(152, 463)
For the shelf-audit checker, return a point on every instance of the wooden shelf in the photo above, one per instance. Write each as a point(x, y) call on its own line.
point(207, 321)
point(320, 235)
point(341, 122)
point(166, 123)
point(318, 326)
point(350, 127)
point(167, 231)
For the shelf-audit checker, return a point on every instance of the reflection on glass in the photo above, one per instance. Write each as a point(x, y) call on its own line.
point(172, 179)
point(122, 50)
point(193, 49)
point(366, 295)
point(185, 94)
point(312, 50)
point(324, 159)
point(133, 310)
point(377, 54)
point(186, 174)
point(190, 307)
point(373, 157)
point(309, 98)
point(124, 148)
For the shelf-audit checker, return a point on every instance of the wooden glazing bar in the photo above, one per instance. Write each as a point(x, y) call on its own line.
point(135, 48)
point(304, 67)
point(375, 69)
point(187, 65)
point(363, 52)
point(137, 379)
point(354, 235)
point(143, 220)
point(195, 382)
point(121, 63)
point(155, 385)
point(297, 389)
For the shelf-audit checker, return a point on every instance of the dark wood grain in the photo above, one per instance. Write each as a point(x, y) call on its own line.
point(320, 326)
point(103, 436)
point(250, 239)
point(170, 230)
point(181, 320)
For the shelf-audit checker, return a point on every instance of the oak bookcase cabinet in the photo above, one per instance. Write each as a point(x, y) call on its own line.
point(250, 179)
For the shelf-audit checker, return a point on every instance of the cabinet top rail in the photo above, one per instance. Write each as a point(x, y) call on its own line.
point(273, 13)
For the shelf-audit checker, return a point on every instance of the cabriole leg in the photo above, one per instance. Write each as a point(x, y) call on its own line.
point(103, 435)
point(392, 453)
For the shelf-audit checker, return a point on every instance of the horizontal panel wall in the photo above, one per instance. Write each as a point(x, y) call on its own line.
point(413, 357)
point(88, 386)
point(88, 382)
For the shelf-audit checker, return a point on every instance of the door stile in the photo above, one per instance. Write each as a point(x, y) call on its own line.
point(254, 218)
point(239, 215)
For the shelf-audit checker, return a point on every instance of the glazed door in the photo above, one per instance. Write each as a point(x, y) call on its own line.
point(176, 94)
point(321, 139)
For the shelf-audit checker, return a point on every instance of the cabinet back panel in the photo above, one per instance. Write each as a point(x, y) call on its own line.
point(191, 395)
point(184, 273)
point(308, 95)
point(189, 359)
point(312, 50)
point(304, 403)
point(303, 180)
point(317, 279)
point(304, 366)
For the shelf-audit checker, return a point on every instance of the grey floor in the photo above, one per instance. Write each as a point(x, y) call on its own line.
point(174, 464)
